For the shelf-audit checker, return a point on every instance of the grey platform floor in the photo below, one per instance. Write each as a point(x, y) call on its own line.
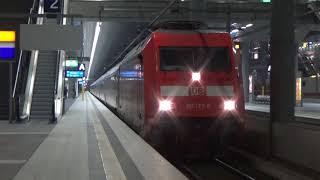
point(91, 143)
point(17, 143)
point(308, 110)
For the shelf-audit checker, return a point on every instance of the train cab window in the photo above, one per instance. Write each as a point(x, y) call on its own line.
point(194, 58)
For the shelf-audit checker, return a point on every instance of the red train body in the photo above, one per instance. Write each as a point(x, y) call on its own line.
point(185, 81)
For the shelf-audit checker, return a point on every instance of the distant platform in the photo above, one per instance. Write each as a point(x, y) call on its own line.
point(91, 143)
point(308, 110)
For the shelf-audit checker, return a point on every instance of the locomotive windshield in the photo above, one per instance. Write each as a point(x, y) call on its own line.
point(194, 58)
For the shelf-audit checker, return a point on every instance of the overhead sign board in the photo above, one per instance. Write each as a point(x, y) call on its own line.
point(52, 6)
point(7, 45)
point(72, 63)
point(74, 74)
point(82, 67)
point(50, 37)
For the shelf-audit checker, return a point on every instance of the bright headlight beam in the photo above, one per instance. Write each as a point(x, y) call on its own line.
point(196, 76)
point(165, 105)
point(229, 105)
point(94, 46)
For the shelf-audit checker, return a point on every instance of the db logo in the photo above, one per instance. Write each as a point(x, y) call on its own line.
point(197, 91)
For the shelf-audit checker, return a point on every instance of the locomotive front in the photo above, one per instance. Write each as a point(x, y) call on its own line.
point(199, 91)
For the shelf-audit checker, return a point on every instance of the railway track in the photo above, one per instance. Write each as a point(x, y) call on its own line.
point(221, 170)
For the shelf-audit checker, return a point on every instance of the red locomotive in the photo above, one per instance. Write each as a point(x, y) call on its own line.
point(177, 86)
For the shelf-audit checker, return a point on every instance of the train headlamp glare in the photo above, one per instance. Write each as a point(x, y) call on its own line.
point(165, 105)
point(229, 105)
point(196, 76)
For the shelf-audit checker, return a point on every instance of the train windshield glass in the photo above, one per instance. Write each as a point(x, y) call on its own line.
point(194, 58)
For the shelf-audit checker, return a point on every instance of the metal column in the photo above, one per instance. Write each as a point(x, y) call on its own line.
point(11, 108)
point(282, 60)
point(245, 69)
point(228, 24)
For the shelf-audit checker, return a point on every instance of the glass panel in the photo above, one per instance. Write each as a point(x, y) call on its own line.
point(194, 58)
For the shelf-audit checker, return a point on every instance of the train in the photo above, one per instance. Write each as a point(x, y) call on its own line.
point(180, 89)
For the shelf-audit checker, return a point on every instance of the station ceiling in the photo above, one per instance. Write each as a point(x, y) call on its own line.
point(15, 6)
point(122, 18)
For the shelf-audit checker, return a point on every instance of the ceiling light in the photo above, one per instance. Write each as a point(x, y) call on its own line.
point(94, 45)
point(235, 31)
point(249, 25)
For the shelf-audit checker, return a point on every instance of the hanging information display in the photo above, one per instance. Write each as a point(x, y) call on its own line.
point(74, 74)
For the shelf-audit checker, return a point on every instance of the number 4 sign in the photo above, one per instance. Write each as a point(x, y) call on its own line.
point(52, 6)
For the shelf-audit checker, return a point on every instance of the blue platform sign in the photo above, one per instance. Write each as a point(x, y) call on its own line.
point(74, 74)
point(52, 6)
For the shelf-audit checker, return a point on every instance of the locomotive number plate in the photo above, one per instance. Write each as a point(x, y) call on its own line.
point(197, 91)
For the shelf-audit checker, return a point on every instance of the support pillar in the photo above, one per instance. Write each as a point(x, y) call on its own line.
point(282, 60)
point(11, 108)
point(317, 83)
point(228, 24)
point(245, 68)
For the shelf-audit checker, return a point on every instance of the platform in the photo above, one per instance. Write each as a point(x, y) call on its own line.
point(90, 142)
point(308, 110)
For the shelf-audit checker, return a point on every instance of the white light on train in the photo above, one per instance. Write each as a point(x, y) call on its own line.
point(229, 105)
point(165, 105)
point(196, 76)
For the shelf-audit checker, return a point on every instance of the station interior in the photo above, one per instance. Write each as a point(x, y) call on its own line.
point(64, 68)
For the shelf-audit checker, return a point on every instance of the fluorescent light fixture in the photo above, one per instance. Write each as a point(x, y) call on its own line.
point(94, 45)
point(249, 25)
point(304, 45)
point(235, 31)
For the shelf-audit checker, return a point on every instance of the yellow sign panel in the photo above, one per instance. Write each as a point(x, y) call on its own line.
point(7, 36)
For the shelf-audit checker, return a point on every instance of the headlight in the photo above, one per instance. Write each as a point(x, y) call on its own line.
point(229, 105)
point(196, 76)
point(165, 105)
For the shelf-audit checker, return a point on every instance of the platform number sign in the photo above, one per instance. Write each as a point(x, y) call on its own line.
point(52, 6)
